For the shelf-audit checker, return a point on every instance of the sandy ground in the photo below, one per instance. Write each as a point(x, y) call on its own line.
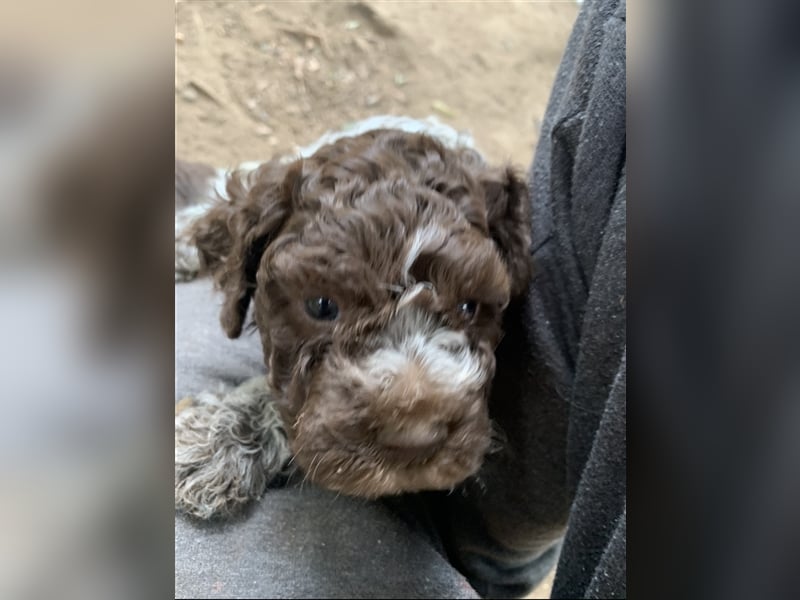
point(256, 79)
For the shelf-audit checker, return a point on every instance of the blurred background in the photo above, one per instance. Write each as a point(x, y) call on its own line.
point(86, 197)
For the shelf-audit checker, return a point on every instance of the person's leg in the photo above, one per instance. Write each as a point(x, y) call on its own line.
point(305, 542)
point(559, 391)
point(297, 540)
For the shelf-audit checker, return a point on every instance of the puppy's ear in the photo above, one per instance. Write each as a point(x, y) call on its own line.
point(233, 235)
point(508, 217)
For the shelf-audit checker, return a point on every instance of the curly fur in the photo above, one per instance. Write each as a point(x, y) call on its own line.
point(228, 448)
point(197, 186)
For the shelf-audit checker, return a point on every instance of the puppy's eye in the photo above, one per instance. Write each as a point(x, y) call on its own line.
point(323, 309)
point(467, 309)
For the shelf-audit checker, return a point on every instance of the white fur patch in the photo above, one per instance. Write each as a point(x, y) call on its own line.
point(429, 237)
point(414, 340)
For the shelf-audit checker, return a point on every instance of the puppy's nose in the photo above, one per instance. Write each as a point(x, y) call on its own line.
point(413, 441)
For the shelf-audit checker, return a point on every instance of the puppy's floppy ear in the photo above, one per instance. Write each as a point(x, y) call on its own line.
point(508, 216)
point(233, 235)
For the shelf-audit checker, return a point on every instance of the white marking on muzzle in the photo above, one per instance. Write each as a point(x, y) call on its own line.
point(443, 354)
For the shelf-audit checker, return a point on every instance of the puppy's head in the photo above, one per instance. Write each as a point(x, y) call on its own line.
point(379, 270)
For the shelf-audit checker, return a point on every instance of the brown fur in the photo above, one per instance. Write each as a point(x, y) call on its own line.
point(340, 225)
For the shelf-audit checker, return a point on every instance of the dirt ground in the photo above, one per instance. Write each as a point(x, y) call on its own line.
point(256, 79)
point(253, 79)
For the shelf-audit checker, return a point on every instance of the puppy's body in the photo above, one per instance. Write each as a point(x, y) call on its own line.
point(379, 269)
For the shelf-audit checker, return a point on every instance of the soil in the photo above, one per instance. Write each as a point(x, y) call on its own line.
point(257, 79)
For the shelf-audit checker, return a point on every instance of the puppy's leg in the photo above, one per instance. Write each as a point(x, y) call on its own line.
point(228, 447)
point(196, 187)
point(187, 258)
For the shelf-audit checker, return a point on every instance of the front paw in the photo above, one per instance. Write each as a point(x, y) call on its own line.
point(228, 448)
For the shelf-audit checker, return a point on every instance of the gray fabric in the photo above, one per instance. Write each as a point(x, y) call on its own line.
point(592, 563)
point(609, 579)
point(602, 341)
point(575, 175)
point(579, 181)
point(309, 543)
point(298, 542)
point(205, 359)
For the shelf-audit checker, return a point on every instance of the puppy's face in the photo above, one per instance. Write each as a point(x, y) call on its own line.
point(381, 310)
point(379, 300)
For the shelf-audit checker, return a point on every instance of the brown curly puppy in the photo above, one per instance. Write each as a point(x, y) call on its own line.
point(378, 269)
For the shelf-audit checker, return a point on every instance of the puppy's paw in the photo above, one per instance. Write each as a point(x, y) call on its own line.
point(228, 448)
point(187, 258)
point(187, 261)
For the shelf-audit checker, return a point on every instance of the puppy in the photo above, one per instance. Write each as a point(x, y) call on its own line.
point(378, 270)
